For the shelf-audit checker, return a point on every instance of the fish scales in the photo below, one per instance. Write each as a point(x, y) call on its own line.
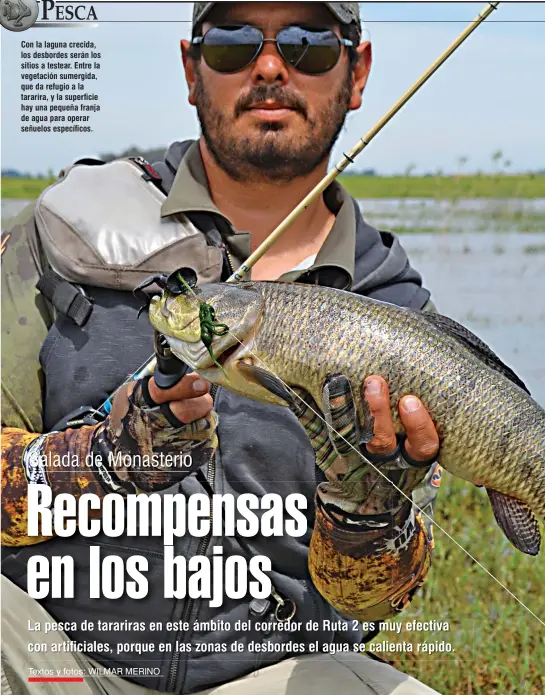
point(362, 338)
point(492, 432)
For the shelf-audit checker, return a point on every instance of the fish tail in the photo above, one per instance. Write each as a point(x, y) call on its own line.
point(517, 521)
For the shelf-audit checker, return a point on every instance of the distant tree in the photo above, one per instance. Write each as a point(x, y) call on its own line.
point(496, 156)
point(462, 161)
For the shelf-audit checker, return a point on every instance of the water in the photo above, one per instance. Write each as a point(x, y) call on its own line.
point(494, 284)
point(484, 263)
point(485, 267)
point(462, 215)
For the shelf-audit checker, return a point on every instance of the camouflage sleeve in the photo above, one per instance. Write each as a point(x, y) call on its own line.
point(373, 575)
point(369, 575)
point(25, 320)
point(25, 460)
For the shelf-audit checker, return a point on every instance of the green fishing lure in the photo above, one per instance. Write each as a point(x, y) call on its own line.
point(209, 325)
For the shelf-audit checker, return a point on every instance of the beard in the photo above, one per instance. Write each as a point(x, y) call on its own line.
point(270, 153)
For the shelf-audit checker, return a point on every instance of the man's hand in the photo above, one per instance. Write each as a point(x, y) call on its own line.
point(422, 443)
point(174, 428)
point(355, 487)
point(189, 399)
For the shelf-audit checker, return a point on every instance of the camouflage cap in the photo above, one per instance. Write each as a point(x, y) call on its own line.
point(345, 12)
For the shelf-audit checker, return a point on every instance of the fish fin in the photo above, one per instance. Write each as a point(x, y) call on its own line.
point(517, 521)
point(266, 379)
point(479, 348)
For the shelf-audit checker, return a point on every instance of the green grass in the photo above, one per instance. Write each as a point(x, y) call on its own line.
point(498, 647)
point(23, 188)
point(438, 187)
point(446, 187)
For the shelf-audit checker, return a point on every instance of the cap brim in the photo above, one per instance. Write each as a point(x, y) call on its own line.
point(203, 12)
point(339, 12)
point(335, 8)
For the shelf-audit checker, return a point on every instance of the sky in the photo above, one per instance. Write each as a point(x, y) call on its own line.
point(489, 96)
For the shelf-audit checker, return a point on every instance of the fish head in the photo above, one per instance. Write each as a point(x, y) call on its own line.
point(240, 308)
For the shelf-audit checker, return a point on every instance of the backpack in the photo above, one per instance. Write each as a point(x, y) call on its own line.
point(100, 225)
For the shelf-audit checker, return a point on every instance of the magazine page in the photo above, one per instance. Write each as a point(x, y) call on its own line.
point(273, 327)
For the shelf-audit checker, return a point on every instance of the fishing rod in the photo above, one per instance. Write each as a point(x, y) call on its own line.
point(166, 368)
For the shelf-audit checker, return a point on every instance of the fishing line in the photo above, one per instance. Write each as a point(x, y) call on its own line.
point(147, 367)
point(141, 372)
point(328, 428)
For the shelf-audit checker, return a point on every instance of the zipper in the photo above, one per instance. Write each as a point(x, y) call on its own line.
point(229, 259)
point(201, 550)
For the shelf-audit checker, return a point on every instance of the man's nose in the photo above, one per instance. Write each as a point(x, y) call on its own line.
point(269, 66)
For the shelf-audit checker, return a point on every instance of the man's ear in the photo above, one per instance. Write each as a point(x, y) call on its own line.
point(360, 73)
point(189, 69)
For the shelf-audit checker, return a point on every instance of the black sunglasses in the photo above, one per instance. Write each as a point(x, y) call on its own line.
point(229, 49)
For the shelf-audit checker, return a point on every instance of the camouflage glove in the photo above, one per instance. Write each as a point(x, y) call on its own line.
point(356, 493)
point(143, 444)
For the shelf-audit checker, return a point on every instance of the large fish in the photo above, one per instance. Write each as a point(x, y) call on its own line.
point(492, 432)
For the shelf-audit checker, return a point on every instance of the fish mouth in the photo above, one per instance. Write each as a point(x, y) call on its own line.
point(226, 351)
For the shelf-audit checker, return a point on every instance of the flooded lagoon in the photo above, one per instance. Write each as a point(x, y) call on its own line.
point(484, 262)
point(462, 215)
point(494, 284)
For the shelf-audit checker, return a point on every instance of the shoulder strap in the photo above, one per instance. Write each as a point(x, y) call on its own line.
point(208, 223)
point(67, 298)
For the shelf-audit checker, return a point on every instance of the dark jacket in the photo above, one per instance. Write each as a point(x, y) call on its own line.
point(261, 449)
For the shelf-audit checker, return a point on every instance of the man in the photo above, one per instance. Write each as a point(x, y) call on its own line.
point(272, 84)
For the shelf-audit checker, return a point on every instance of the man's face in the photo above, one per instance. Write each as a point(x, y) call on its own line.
point(270, 122)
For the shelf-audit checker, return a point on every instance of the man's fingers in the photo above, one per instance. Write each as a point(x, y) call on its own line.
point(376, 393)
point(191, 386)
point(192, 409)
point(422, 441)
